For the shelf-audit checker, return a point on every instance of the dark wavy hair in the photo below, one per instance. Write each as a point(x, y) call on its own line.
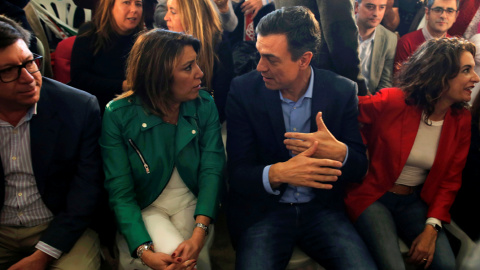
point(150, 67)
point(424, 77)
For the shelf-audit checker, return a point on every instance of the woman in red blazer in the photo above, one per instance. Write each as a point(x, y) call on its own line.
point(418, 137)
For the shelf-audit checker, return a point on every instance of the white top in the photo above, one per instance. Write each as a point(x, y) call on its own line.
point(422, 155)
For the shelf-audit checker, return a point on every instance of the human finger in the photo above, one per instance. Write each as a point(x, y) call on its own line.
point(178, 251)
point(325, 174)
point(297, 136)
point(296, 149)
point(325, 179)
point(295, 142)
point(318, 185)
point(327, 163)
point(246, 6)
point(320, 123)
point(428, 261)
point(255, 12)
point(189, 264)
point(311, 150)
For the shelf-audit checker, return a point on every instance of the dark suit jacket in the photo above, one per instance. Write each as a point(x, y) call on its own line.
point(255, 137)
point(66, 160)
point(339, 47)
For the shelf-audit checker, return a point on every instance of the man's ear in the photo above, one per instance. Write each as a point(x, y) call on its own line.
point(305, 60)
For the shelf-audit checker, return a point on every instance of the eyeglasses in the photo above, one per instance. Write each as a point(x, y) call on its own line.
point(440, 10)
point(13, 73)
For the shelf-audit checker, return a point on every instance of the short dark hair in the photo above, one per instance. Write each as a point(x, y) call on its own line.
point(11, 31)
point(424, 77)
point(150, 67)
point(298, 24)
point(429, 3)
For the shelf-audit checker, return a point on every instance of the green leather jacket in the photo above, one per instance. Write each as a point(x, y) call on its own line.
point(140, 151)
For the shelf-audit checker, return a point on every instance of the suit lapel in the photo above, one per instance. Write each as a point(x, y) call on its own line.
point(375, 65)
point(271, 100)
point(319, 101)
point(409, 129)
point(44, 131)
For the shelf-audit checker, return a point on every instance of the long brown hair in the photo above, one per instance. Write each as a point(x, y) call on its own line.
point(424, 77)
point(199, 19)
point(150, 67)
point(105, 26)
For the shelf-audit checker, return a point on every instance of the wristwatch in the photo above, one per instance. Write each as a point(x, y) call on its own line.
point(437, 227)
point(203, 226)
point(144, 247)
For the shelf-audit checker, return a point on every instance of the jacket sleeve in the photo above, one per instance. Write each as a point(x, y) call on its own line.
point(212, 162)
point(356, 165)
point(450, 183)
point(244, 165)
point(84, 189)
point(119, 182)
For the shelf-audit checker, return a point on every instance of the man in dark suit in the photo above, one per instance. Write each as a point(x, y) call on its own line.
point(289, 192)
point(339, 46)
point(50, 170)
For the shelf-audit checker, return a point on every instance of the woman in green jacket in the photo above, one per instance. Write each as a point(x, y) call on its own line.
point(163, 156)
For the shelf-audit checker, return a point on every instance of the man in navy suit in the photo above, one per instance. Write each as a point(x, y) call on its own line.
point(286, 189)
point(50, 170)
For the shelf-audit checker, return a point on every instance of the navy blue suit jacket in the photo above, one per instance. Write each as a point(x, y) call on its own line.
point(66, 160)
point(255, 137)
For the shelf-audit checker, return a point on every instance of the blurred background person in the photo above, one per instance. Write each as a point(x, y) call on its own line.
point(468, 20)
point(418, 137)
point(101, 48)
point(377, 44)
point(163, 156)
point(223, 8)
point(199, 19)
point(439, 17)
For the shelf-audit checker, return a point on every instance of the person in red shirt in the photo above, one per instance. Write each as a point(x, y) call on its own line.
point(439, 16)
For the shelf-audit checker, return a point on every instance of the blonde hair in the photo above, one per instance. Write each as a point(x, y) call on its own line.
point(105, 25)
point(199, 19)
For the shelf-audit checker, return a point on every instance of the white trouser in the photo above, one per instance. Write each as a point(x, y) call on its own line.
point(169, 221)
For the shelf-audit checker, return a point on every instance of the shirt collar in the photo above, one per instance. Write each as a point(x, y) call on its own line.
point(371, 38)
point(27, 117)
point(308, 93)
point(32, 111)
point(427, 34)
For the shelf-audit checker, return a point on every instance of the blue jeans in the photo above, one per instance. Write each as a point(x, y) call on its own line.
point(405, 216)
point(326, 235)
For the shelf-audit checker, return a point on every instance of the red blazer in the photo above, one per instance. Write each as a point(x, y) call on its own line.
point(390, 128)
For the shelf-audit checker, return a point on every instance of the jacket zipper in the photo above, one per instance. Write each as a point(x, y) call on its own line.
point(134, 146)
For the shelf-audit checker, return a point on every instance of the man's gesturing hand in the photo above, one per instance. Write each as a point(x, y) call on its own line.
point(304, 170)
point(328, 146)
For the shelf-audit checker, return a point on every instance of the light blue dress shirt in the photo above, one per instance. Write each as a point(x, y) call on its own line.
point(296, 116)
